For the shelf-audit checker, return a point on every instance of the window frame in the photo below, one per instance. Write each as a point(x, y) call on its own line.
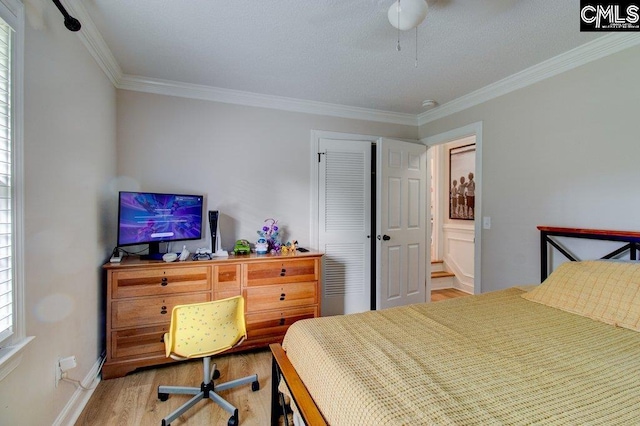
point(12, 12)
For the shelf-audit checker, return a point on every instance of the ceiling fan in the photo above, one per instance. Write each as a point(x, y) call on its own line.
point(406, 15)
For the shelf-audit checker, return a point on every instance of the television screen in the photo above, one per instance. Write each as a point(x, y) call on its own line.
point(150, 218)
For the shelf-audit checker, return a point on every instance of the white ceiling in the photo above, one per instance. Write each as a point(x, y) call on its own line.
point(335, 51)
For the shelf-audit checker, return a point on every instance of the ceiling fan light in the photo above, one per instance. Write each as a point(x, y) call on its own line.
point(410, 15)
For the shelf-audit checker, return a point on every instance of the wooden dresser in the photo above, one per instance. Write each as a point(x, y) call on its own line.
point(278, 290)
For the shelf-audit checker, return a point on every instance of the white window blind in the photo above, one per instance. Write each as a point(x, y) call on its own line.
point(6, 222)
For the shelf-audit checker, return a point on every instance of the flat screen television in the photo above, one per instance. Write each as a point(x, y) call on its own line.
point(154, 218)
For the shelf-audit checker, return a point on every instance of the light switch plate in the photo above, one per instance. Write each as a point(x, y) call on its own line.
point(486, 222)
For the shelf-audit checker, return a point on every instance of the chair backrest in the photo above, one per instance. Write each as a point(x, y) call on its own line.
point(203, 329)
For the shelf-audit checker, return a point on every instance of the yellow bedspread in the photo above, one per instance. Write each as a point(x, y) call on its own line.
point(493, 359)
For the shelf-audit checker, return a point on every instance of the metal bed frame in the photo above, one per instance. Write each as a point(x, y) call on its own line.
point(630, 240)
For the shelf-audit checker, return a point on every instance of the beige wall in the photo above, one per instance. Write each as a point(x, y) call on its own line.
point(69, 151)
point(562, 152)
point(251, 163)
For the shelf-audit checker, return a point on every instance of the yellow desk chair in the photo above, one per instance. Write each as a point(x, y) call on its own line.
point(201, 330)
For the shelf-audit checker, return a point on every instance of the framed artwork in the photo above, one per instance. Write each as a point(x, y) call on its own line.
point(462, 185)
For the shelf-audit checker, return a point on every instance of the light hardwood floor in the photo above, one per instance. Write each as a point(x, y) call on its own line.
point(133, 400)
point(447, 293)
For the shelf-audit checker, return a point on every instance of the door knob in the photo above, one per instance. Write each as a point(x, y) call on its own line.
point(384, 237)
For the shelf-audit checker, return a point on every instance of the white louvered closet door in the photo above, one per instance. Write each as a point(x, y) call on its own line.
point(345, 224)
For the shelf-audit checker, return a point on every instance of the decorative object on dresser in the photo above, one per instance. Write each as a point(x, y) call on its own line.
point(242, 247)
point(278, 291)
point(262, 246)
point(269, 234)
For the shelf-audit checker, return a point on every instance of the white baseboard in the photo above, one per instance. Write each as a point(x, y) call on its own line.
point(71, 412)
point(466, 287)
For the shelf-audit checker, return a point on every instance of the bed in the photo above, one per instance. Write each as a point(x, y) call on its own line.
point(565, 352)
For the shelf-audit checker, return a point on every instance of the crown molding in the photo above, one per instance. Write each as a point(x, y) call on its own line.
point(92, 39)
point(217, 94)
point(95, 44)
point(15, 8)
point(596, 49)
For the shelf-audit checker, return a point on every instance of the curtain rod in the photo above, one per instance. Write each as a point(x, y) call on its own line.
point(70, 22)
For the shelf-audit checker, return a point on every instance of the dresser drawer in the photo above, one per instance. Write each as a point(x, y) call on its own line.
point(274, 324)
point(150, 310)
point(281, 271)
point(280, 296)
point(226, 278)
point(155, 281)
point(138, 342)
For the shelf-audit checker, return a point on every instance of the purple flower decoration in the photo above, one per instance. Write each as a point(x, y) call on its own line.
point(270, 232)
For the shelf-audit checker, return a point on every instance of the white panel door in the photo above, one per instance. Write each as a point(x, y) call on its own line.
point(345, 224)
point(401, 223)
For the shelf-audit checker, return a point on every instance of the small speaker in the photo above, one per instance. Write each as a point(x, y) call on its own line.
point(213, 227)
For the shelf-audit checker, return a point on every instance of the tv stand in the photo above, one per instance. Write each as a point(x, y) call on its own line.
point(154, 256)
point(154, 252)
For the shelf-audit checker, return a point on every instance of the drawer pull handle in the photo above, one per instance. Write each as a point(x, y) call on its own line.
point(281, 321)
point(163, 312)
point(282, 296)
point(162, 339)
point(164, 282)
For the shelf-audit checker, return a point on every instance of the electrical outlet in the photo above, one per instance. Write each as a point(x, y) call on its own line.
point(67, 363)
point(63, 365)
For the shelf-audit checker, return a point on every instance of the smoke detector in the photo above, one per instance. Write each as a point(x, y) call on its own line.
point(429, 103)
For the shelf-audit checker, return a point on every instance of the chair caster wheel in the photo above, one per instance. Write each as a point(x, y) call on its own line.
point(216, 375)
point(233, 421)
point(255, 386)
point(163, 396)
